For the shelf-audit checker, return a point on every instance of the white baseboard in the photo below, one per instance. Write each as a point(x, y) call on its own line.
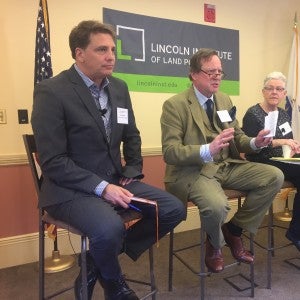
point(23, 249)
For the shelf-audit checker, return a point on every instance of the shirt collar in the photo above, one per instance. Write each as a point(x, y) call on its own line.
point(201, 98)
point(88, 82)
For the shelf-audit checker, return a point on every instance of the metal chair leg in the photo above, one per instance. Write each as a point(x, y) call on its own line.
point(252, 265)
point(152, 277)
point(171, 260)
point(202, 263)
point(84, 268)
point(270, 247)
point(41, 257)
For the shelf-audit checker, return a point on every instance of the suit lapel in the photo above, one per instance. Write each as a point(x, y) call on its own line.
point(113, 105)
point(198, 113)
point(86, 97)
point(219, 126)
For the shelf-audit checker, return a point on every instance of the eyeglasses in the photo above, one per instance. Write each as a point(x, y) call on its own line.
point(278, 89)
point(214, 73)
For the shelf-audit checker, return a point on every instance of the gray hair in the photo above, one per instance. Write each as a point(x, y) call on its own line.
point(275, 75)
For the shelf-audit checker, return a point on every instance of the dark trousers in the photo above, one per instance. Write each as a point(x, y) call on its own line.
point(291, 173)
point(104, 227)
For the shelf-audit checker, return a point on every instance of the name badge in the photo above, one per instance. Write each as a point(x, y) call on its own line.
point(224, 116)
point(285, 128)
point(122, 115)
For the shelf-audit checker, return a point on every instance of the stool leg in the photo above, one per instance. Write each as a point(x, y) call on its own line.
point(41, 257)
point(171, 260)
point(202, 262)
point(252, 265)
point(152, 278)
point(84, 268)
point(270, 247)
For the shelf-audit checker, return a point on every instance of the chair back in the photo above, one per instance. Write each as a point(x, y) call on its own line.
point(129, 217)
point(31, 151)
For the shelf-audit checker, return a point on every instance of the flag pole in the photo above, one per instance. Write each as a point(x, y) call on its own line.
point(43, 70)
point(293, 82)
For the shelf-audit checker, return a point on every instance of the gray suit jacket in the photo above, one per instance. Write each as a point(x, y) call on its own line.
point(74, 153)
point(184, 126)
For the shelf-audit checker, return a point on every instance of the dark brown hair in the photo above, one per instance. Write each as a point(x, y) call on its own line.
point(203, 54)
point(80, 34)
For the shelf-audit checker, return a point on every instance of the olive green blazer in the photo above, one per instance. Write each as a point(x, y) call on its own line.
point(185, 127)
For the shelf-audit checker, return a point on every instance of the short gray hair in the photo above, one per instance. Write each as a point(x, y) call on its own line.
point(275, 75)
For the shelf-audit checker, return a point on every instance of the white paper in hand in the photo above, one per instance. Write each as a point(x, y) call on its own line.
point(271, 122)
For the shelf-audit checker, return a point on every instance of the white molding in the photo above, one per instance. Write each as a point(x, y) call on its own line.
point(23, 249)
point(21, 159)
point(13, 159)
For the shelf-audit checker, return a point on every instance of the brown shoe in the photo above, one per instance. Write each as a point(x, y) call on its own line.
point(213, 258)
point(236, 246)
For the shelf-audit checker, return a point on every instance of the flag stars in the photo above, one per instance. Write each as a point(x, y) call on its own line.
point(43, 66)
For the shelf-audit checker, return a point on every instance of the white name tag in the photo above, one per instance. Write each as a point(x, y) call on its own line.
point(122, 115)
point(224, 116)
point(285, 128)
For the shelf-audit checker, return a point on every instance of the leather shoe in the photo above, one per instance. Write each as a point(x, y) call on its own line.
point(236, 246)
point(92, 276)
point(213, 258)
point(117, 289)
point(293, 239)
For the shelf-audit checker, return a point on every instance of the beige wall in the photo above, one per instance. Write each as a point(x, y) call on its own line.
point(265, 28)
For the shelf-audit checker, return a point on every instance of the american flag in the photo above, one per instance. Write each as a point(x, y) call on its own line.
point(43, 70)
point(43, 66)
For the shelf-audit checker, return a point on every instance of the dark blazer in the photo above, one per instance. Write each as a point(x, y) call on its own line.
point(74, 153)
point(184, 125)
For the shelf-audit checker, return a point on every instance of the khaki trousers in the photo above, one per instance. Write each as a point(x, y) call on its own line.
point(262, 182)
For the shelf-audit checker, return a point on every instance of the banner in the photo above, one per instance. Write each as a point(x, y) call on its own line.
point(293, 83)
point(153, 53)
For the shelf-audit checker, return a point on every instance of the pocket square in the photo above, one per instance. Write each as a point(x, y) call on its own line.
point(232, 113)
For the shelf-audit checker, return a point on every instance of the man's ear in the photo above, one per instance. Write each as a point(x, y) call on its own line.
point(79, 54)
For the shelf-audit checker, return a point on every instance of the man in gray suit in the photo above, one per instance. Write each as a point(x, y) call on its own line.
point(80, 119)
point(202, 150)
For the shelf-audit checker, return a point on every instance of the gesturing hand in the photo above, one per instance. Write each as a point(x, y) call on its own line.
point(221, 141)
point(261, 140)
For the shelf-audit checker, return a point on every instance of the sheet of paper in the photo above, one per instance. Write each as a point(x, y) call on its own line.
point(271, 122)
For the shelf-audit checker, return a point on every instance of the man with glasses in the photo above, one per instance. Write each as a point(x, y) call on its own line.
point(273, 93)
point(201, 143)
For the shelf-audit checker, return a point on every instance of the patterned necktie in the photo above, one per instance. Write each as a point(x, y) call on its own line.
point(103, 106)
point(210, 110)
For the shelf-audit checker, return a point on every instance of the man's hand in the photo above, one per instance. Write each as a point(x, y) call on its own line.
point(117, 195)
point(221, 141)
point(261, 140)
